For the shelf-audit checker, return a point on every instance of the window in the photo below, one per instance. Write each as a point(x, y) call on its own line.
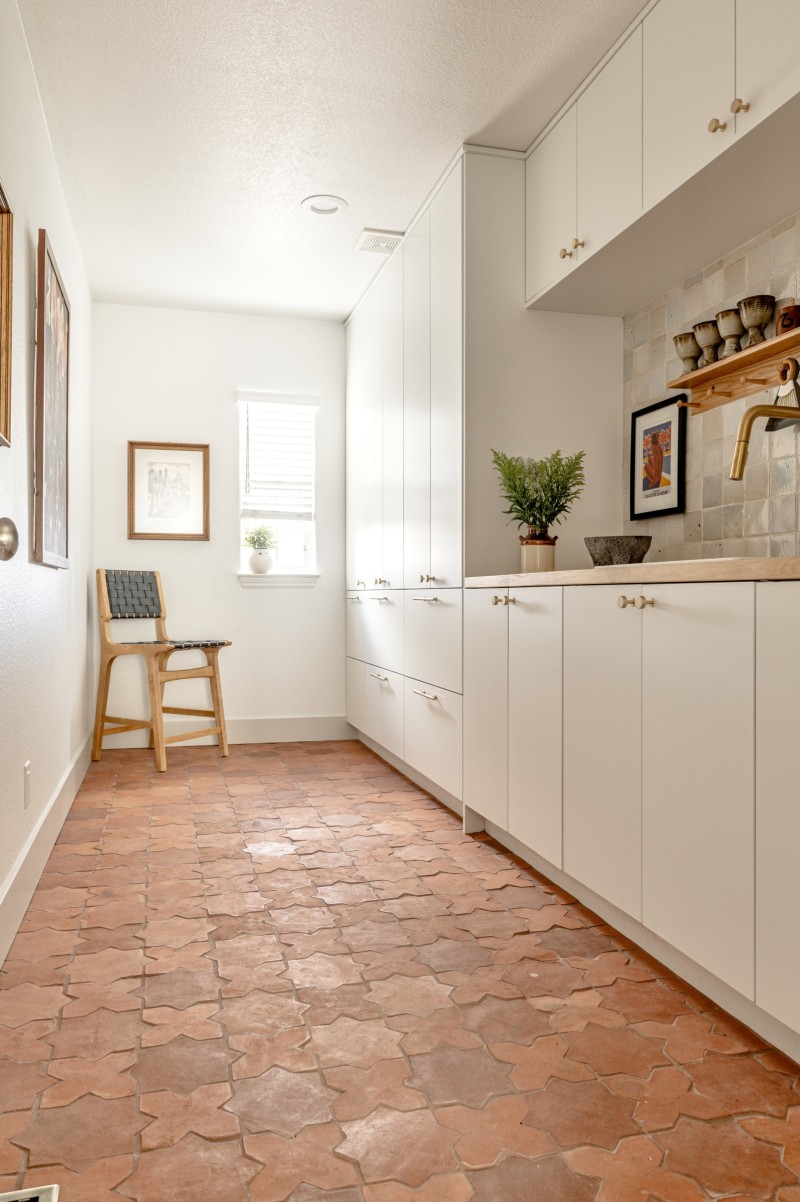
point(277, 467)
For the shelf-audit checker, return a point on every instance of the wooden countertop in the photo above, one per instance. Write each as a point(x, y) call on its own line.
point(675, 572)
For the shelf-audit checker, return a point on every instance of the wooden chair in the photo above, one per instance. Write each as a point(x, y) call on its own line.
point(136, 595)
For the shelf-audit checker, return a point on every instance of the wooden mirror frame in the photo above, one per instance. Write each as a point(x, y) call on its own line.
point(6, 278)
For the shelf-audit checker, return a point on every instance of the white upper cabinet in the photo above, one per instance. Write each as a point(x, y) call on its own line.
point(689, 82)
point(446, 382)
point(392, 421)
point(767, 57)
point(610, 149)
point(417, 403)
point(698, 766)
point(364, 445)
point(551, 206)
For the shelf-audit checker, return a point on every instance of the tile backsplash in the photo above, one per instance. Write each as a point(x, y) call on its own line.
point(761, 514)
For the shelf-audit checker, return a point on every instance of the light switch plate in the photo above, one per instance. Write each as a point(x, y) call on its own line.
point(37, 1193)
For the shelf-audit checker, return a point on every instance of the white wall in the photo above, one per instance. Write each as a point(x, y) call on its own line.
point(535, 382)
point(172, 375)
point(46, 677)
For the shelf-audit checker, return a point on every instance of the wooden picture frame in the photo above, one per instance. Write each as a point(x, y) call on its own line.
point(658, 459)
point(168, 490)
point(6, 283)
point(51, 415)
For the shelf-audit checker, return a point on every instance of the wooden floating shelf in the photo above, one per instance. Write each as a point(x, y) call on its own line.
point(741, 375)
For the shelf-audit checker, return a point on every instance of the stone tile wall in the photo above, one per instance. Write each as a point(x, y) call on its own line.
point(759, 515)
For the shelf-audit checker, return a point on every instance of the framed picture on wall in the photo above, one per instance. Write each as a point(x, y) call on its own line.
point(51, 500)
point(168, 490)
point(658, 459)
point(6, 279)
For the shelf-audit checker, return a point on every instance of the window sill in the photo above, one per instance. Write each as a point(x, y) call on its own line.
point(278, 579)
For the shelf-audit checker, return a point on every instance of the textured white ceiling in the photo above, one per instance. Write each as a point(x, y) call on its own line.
point(188, 131)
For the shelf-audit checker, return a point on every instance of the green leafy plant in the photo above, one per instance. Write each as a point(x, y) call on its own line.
point(539, 491)
point(261, 538)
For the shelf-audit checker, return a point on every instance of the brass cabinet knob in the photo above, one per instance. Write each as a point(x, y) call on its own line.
point(509, 600)
point(497, 600)
point(740, 106)
point(360, 584)
point(577, 244)
point(643, 602)
point(624, 602)
point(564, 253)
point(716, 126)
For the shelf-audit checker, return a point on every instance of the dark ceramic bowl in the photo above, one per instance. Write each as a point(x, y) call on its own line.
point(609, 549)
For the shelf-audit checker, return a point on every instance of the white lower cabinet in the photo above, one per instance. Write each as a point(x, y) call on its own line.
point(777, 801)
point(433, 734)
point(383, 714)
point(603, 745)
point(512, 712)
point(356, 628)
point(381, 615)
point(698, 765)
point(433, 636)
point(354, 692)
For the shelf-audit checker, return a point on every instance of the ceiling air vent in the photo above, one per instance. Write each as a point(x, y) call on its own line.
point(379, 242)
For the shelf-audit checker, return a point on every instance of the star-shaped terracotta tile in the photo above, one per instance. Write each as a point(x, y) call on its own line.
point(689, 1037)
point(634, 1173)
point(442, 1028)
point(25, 1044)
point(664, 1097)
point(363, 1090)
point(496, 1130)
point(214, 1170)
point(177, 1115)
point(262, 1052)
point(307, 1158)
point(268, 1013)
point(609, 967)
point(537, 1062)
point(406, 1147)
point(86, 997)
point(195, 1022)
point(724, 1158)
point(77, 1077)
point(784, 1132)
point(359, 1044)
point(410, 995)
point(77, 1135)
point(25, 1003)
point(96, 1182)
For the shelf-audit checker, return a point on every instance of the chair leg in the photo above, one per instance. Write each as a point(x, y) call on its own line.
point(102, 703)
point(212, 658)
point(162, 663)
point(156, 714)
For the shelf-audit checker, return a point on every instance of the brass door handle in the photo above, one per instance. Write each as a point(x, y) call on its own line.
point(643, 602)
point(360, 584)
point(716, 126)
point(624, 602)
point(564, 253)
point(377, 676)
point(427, 579)
point(577, 244)
point(740, 106)
point(497, 600)
point(509, 600)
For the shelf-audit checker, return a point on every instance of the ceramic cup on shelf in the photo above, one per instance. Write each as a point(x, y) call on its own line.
point(688, 350)
point(788, 319)
point(709, 338)
point(729, 324)
point(755, 312)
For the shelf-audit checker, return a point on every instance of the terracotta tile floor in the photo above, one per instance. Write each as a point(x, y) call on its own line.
point(290, 976)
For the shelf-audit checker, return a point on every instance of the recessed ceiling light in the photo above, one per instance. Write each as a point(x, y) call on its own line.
point(323, 205)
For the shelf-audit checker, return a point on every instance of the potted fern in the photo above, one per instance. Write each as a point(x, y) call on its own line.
point(539, 492)
point(261, 540)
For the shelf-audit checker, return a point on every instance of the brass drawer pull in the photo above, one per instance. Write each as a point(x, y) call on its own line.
point(428, 600)
point(379, 598)
point(497, 600)
point(509, 600)
point(427, 696)
point(643, 602)
point(377, 676)
point(624, 602)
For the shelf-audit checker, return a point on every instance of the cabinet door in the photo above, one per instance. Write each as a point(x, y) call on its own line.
point(551, 206)
point(767, 57)
point(356, 625)
point(610, 148)
point(603, 745)
point(364, 442)
point(698, 765)
point(688, 77)
point(354, 693)
point(392, 420)
point(777, 809)
point(486, 704)
point(535, 691)
point(382, 615)
point(384, 704)
point(417, 403)
point(433, 734)
point(446, 383)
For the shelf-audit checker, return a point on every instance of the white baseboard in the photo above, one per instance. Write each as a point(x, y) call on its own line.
point(251, 730)
point(448, 799)
point(769, 1028)
point(19, 886)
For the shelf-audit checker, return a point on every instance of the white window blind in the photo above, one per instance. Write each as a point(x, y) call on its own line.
point(277, 458)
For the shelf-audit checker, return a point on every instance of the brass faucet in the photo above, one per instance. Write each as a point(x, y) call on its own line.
point(783, 412)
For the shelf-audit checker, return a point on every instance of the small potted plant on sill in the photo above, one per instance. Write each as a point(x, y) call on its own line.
point(539, 492)
point(261, 540)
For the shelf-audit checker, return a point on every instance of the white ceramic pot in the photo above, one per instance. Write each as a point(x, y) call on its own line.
point(538, 555)
point(260, 562)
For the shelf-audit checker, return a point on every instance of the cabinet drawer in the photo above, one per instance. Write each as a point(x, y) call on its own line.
point(433, 625)
point(382, 618)
point(354, 693)
point(433, 741)
point(383, 718)
point(355, 625)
